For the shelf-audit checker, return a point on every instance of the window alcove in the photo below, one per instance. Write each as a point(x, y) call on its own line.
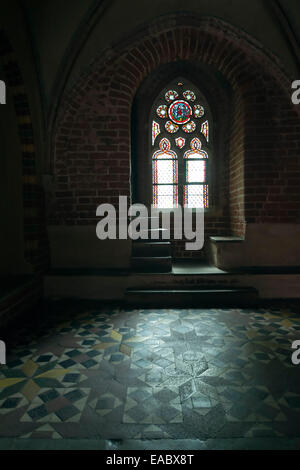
point(180, 137)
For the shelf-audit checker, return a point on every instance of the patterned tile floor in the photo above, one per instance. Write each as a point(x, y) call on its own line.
point(109, 373)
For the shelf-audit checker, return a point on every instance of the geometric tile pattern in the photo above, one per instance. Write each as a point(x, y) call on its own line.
point(114, 373)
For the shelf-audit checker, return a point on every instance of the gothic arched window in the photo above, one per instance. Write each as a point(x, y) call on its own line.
point(180, 133)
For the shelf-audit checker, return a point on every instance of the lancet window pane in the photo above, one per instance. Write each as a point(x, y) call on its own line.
point(164, 171)
point(195, 171)
point(196, 196)
point(165, 196)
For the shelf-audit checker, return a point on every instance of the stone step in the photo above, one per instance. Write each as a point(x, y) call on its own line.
point(154, 234)
point(154, 264)
point(151, 249)
point(191, 297)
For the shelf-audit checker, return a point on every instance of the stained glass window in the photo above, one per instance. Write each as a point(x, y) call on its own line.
point(195, 181)
point(189, 127)
point(195, 196)
point(165, 197)
point(189, 95)
point(198, 111)
point(171, 127)
point(164, 150)
point(165, 176)
point(180, 112)
point(205, 130)
point(196, 150)
point(155, 131)
point(171, 95)
point(180, 142)
point(195, 171)
point(180, 177)
point(162, 111)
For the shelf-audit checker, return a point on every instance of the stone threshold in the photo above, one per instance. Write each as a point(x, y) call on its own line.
point(255, 443)
point(185, 269)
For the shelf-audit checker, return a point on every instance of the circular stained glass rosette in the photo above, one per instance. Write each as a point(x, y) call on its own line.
point(189, 95)
point(198, 111)
point(162, 111)
point(171, 127)
point(171, 95)
point(180, 112)
point(189, 127)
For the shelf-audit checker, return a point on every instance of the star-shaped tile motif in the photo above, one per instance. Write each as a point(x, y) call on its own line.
point(188, 367)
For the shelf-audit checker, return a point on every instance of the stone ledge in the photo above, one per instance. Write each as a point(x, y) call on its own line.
point(228, 239)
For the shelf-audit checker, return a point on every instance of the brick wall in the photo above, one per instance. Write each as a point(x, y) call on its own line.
point(272, 156)
point(236, 168)
point(92, 132)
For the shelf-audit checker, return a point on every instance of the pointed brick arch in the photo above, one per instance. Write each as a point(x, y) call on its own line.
point(35, 237)
point(93, 126)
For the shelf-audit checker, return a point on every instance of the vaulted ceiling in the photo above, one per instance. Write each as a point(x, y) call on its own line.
point(67, 34)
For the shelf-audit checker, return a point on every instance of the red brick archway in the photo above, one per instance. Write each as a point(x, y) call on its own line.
point(92, 135)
